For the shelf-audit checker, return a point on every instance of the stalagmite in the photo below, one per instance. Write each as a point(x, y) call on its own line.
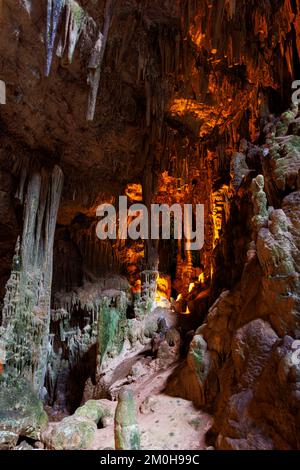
point(127, 436)
point(111, 326)
point(259, 199)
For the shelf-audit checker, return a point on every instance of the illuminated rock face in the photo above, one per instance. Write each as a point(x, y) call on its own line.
point(248, 336)
point(181, 106)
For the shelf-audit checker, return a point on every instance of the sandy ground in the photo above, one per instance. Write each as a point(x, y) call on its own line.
point(171, 424)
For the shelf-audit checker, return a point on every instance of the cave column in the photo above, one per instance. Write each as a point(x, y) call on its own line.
point(150, 273)
point(26, 311)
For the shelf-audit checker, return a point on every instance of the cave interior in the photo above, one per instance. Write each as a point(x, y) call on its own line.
point(145, 343)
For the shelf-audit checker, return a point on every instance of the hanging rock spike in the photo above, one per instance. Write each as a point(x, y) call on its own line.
point(96, 61)
point(74, 25)
point(54, 9)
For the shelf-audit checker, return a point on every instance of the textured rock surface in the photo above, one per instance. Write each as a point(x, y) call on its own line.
point(127, 435)
point(97, 411)
point(21, 413)
point(72, 433)
point(247, 375)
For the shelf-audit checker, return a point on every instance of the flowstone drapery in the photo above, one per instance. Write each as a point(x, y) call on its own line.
point(112, 324)
point(26, 311)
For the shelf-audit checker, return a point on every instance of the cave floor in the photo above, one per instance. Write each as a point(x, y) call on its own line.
point(171, 423)
point(165, 422)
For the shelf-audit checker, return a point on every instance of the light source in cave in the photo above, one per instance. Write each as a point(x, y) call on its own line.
point(187, 312)
point(162, 291)
point(134, 192)
point(191, 286)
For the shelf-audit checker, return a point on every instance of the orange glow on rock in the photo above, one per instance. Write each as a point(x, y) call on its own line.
point(162, 288)
point(187, 312)
point(134, 192)
point(191, 286)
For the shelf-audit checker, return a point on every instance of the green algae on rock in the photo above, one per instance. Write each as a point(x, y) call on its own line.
point(21, 412)
point(127, 436)
point(112, 326)
point(72, 433)
point(95, 410)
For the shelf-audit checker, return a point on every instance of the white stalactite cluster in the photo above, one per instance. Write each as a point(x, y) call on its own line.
point(78, 26)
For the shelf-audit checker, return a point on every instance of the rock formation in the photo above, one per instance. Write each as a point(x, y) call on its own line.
point(164, 102)
point(127, 435)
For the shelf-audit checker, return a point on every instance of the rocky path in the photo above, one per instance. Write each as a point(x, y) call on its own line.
point(165, 423)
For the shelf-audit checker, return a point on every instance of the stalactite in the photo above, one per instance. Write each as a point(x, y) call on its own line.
point(74, 25)
point(96, 60)
point(20, 190)
point(130, 29)
point(54, 10)
point(231, 8)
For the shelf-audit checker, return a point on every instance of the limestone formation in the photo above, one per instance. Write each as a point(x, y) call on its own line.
point(111, 327)
point(72, 433)
point(75, 23)
point(96, 59)
point(26, 312)
point(259, 199)
point(127, 436)
point(21, 412)
point(54, 10)
point(97, 411)
point(239, 169)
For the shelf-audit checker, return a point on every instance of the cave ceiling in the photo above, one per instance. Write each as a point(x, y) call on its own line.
point(193, 69)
